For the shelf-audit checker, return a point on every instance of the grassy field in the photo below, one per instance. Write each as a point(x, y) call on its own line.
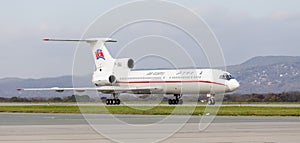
point(261, 103)
point(159, 110)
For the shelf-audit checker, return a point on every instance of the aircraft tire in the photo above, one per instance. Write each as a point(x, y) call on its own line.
point(211, 102)
point(109, 101)
point(118, 101)
point(175, 101)
point(114, 101)
point(170, 101)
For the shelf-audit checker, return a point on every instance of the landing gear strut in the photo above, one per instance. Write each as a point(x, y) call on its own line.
point(114, 101)
point(177, 100)
point(211, 99)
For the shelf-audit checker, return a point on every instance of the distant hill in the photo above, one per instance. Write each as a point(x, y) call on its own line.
point(8, 86)
point(270, 74)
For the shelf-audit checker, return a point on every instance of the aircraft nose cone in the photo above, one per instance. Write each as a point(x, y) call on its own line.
point(233, 84)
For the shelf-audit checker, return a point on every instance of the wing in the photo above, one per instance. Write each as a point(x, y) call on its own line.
point(102, 89)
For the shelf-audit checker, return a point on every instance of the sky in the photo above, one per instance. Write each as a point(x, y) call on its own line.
point(244, 29)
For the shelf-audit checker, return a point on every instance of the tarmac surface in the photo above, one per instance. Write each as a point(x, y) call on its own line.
point(73, 128)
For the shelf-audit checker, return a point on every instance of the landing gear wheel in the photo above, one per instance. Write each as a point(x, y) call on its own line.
point(109, 101)
point(176, 101)
point(118, 101)
point(170, 102)
point(211, 101)
point(113, 101)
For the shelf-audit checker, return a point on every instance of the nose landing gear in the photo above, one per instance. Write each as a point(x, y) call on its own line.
point(211, 99)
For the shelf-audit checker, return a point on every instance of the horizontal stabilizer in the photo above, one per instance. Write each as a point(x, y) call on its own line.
point(100, 53)
point(82, 40)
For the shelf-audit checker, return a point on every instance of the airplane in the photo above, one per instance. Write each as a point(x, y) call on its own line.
point(116, 76)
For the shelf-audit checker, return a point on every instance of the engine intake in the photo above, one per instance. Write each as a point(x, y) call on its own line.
point(112, 79)
point(130, 63)
point(124, 63)
point(106, 80)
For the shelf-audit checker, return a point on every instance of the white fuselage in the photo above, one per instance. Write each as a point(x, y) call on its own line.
point(181, 81)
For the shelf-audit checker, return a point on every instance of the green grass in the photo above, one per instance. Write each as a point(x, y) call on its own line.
point(261, 103)
point(40, 109)
point(158, 110)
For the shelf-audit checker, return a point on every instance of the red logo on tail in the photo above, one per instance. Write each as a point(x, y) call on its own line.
point(99, 54)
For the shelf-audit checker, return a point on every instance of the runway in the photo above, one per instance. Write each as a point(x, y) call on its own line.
point(73, 128)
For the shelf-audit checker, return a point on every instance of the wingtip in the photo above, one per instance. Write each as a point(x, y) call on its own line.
point(46, 39)
point(19, 89)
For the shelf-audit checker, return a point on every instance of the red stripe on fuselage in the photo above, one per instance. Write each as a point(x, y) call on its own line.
point(170, 81)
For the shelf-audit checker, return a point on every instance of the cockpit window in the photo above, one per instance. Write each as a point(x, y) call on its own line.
point(229, 77)
point(226, 76)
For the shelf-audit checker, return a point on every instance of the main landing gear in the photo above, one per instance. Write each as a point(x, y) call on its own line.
point(211, 99)
point(177, 100)
point(114, 101)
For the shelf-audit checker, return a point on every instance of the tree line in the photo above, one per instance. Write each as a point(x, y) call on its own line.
point(268, 97)
point(73, 98)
